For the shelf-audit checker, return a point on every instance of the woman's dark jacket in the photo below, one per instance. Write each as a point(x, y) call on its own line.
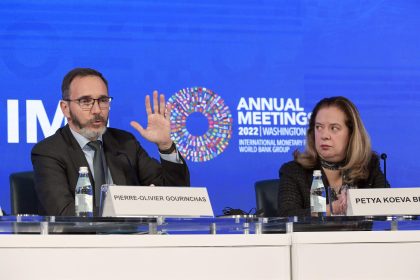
point(295, 185)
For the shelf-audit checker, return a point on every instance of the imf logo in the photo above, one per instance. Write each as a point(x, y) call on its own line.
point(35, 113)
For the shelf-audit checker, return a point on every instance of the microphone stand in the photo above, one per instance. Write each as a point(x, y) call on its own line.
point(383, 157)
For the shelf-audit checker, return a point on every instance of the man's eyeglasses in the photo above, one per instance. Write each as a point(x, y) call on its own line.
point(86, 103)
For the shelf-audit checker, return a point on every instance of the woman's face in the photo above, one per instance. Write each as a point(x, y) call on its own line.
point(331, 134)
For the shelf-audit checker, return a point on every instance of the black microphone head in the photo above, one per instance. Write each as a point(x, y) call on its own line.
point(383, 156)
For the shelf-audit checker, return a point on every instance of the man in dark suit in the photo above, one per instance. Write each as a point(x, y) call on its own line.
point(85, 104)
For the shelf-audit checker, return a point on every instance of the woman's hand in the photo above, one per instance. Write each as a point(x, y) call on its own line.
point(339, 206)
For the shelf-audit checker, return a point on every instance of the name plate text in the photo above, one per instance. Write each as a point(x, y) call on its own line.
point(383, 202)
point(135, 201)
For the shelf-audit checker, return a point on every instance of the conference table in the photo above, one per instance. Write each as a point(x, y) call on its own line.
point(237, 247)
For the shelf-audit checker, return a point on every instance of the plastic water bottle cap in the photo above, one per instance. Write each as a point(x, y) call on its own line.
point(317, 173)
point(83, 169)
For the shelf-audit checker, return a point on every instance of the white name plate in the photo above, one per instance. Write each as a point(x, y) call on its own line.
point(383, 202)
point(132, 201)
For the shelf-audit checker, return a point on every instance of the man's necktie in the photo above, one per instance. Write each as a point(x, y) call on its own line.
point(98, 171)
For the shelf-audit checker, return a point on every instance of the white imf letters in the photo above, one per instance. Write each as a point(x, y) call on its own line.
point(35, 112)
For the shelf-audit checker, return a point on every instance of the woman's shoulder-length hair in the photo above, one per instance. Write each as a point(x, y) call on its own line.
point(359, 152)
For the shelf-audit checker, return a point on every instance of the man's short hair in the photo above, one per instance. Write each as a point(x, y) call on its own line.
point(78, 72)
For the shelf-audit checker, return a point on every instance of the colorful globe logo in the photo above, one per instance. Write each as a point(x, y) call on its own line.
point(200, 104)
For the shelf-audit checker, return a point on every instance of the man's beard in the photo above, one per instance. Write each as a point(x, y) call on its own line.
point(85, 131)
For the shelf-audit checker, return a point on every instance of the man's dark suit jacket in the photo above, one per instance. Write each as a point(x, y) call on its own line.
point(295, 185)
point(57, 159)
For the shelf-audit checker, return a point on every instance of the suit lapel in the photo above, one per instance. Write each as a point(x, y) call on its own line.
point(75, 153)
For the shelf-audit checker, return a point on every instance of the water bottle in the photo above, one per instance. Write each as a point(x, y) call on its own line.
point(318, 195)
point(84, 194)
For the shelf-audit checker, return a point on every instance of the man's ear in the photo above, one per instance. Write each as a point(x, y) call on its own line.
point(64, 105)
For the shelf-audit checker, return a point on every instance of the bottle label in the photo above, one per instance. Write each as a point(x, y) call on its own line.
point(84, 203)
point(318, 203)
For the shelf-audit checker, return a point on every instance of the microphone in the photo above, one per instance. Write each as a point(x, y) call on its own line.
point(383, 157)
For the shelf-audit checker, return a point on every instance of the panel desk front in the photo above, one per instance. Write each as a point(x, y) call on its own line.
point(363, 248)
point(47, 250)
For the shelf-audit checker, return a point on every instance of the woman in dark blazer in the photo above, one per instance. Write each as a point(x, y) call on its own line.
point(337, 144)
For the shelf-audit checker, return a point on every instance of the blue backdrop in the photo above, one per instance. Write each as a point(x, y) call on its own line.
point(266, 63)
